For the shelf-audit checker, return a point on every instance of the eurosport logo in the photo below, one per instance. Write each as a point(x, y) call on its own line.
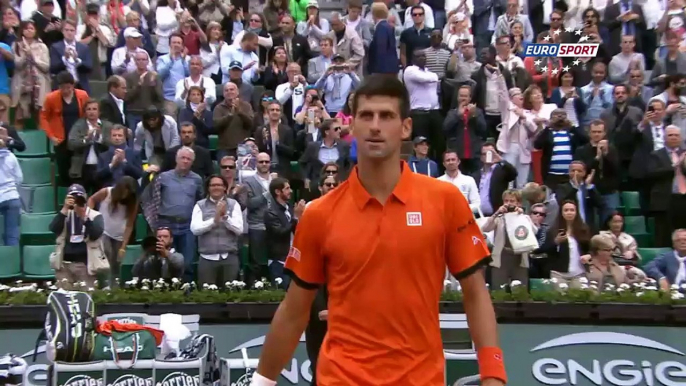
point(609, 370)
point(562, 50)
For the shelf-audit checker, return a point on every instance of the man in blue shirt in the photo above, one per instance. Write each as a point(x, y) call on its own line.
point(337, 82)
point(6, 63)
point(172, 68)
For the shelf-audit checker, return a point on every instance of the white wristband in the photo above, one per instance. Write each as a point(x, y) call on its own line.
point(259, 380)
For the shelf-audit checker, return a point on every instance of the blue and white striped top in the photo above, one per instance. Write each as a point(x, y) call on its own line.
point(562, 153)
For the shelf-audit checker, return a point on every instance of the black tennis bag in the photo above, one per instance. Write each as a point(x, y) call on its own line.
point(69, 330)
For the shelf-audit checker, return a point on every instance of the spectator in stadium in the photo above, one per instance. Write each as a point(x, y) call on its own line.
point(614, 117)
point(317, 66)
point(558, 142)
point(167, 24)
point(6, 66)
point(119, 160)
point(232, 121)
point(331, 169)
point(460, 68)
point(238, 192)
point(256, 24)
point(245, 89)
point(504, 23)
point(113, 14)
point(487, 78)
point(382, 55)
point(348, 43)
point(625, 245)
point(257, 187)
point(193, 35)
point(464, 182)
point(144, 89)
point(514, 140)
point(218, 223)
point(118, 206)
point(328, 149)
point(417, 33)
point(202, 165)
point(10, 23)
point(314, 27)
point(507, 265)
point(31, 80)
point(134, 20)
point(669, 268)
point(297, 47)
point(493, 178)
point(505, 56)
point(48, 24)
point(582, 191)
point(61, 109)
point(11, 178)
point(179, 190)
point(456, 33)
point(537, 267)
point(537, 111)
point(113, 106)
point(71, 56)
point(11, 138)
point(209, 52)
point(602, 160)
point(601, 267)
point(172, 68)
point(436, 56)
point(244, 53)
point(568, 97)
point(673, 97)
point(280, 220)
point(668, 185)
point(567, 242)
point(345, 118)
point(277, 139)
point(597, 95)
point(99, 38)
point(518, 40)
point(79, 230)
point(354, 20)
point(336, 83)
point(277, 72)
point(291, 95)
point(544, 79)
point(195, 78)
point(674, 64)
point(639, 92)
point(88, 138)
point(159, 259)
point(327, 183)
point(626, 60)
point(158, 133)
point(273, 11)
point(123, 60)
point(419, 161)
point(196, 110)
point(533, 194)
point(464, 129)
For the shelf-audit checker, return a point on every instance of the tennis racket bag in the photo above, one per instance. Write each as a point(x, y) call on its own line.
point(69, 327)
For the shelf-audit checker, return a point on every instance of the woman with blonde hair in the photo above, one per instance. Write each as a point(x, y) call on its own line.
point(602, 268)
point(209, 52)
point(31, 80)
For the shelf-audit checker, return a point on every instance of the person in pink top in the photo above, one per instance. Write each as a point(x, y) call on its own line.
point(345, 116)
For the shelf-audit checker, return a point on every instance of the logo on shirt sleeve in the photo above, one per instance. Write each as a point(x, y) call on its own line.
point(294, 253)
point(414, 219)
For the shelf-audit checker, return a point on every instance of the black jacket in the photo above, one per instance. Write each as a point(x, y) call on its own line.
point(285, 148)
point(558, 255)
point(661, 174)
point(592, 201)
point(544, 142)
point(311, 166)
point(14, 143)
point(110, 112)
point(503, 174)
point(278, 229)
point(202, 165)
point(300, 48)
point(607, 169)
point(453, 129)
point(479, 93)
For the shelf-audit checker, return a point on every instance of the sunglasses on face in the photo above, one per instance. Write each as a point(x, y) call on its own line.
point(331, 184)
point(329, 172)
point(417, 14)
point(539, 214)
point(336, 128)
point(225, 167)
point(267, 99)
point(216, 185)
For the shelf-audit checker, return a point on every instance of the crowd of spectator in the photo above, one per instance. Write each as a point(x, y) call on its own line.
point(222, 120)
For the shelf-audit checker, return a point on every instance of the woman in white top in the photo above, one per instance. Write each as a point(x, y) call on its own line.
point(456, 31)
point(118, 206)
point(167, 23)
point(567, 246)
point(209, 52)
point(516, 133)
point(568, 97)
point(315, 27)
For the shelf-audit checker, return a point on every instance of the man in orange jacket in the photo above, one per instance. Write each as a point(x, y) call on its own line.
point(61, 109)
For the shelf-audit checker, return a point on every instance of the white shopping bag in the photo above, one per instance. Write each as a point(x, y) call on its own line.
point(520, 232)
point(480, 222)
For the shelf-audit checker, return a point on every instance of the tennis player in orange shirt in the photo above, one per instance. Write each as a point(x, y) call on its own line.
point(381, 242)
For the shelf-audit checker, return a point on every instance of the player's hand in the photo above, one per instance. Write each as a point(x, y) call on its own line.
point(324, 315)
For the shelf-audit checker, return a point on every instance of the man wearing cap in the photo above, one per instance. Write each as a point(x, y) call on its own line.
point(123, 57)
point(245, 89)
point(196, 78)
point(172, 67)
point(29, 8)
point(337, 82)
point(243, 54)
point(48, 25)
point(419, 162)
point(133, 20)
point(79, 230)
point(72, 56)
point(98, 38)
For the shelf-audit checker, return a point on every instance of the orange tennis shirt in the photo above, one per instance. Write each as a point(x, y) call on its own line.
point(384, 266)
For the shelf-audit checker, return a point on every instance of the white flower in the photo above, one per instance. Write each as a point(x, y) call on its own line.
point(65, 280)
point(594, 282)
point(159, 285)
point(18, 282)
point(546, 281)
point(593, 286)
point(562, 286)
point(553, 280)
point(677, 296)
point(39, 290)
point(175, 280)
point(583, 280)
point(503, 286)
point(145, 281)
point(90, 289)
point(278, 280)
point(620, 289)
point(459, 287)
point(185, 286)
point(212, 287)
point(675, 287)
point(515, 283)
point(144, 288)
point(205, 286)
point(583, 286)
point(53, 288)
point(651, 288)
point(639, 294)
point(240, 284)
point(4, 287)
point(48, 283)
point(258, 284)
point(446, 283)
point(95, 283)
point(106, 288)
point(624, 286)
point(683, 286)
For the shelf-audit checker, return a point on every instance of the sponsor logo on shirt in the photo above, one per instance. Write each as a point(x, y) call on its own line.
point(414, 219)
point(294, 253)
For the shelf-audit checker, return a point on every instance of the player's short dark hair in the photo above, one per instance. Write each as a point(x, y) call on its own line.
point(384, 85)
point(277, 183)
point(65, 77)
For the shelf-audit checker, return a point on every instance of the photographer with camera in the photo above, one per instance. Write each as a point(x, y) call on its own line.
point(79, 252)
point(508, 265)
point(337, 82)
point(159, 259)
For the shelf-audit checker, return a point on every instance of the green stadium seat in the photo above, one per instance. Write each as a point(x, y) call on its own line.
point(36, 144)
point(61, 195)
point(295, 167)
point(11, 262)
point(635, 224)
point(141, 228)
point(631, 203)
point(41, 199)
point(36, 260)
point(133, 252)
point(214, 140)
point(37, 171)
point(649, 254)
point(2, 229)
point(651, 225)
point(538, 285)
point(34, 229)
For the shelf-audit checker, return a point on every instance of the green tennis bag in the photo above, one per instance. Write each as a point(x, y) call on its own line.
point(69, 327)
point(129, 346)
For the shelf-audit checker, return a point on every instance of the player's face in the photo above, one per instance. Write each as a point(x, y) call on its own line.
point(379, 127)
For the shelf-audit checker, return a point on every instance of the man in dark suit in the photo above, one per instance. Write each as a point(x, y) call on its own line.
point(666, 268)
point(382, 53)
point(297, 46)
point(71, 55)
point(202, 165)
point(113, 105)
point(541, 22)
point(580, 189)
point(328, 149)
point(257, 190)
point(48, 26)
point(464, 127)
point(276, 139)
point(500, 173)
point(280, 221)
point(624, 18)
point(119, 160)
point(668, 190)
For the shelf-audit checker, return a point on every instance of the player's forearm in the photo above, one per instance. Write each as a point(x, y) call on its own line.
point(480, 315)
point(281, 341)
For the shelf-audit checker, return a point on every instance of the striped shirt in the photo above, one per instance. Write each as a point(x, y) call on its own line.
point(562, 153)
point(436, 59)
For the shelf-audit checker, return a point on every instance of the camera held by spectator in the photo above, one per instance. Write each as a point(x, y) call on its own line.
point(159, 259)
